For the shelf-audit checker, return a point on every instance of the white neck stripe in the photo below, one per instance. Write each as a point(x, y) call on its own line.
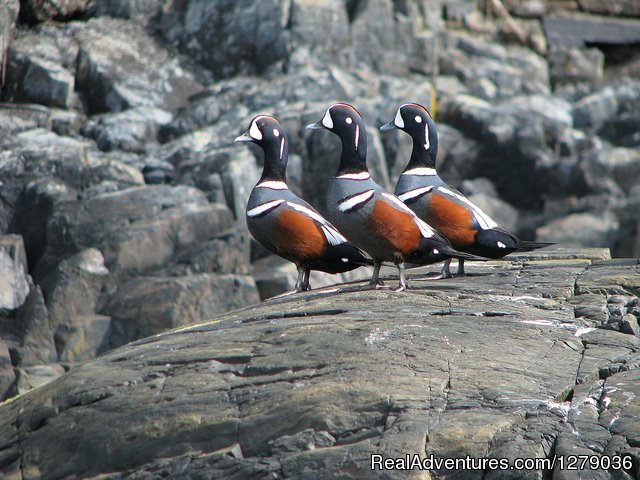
point(273, 185)
point(355, 176)
point(422, 171)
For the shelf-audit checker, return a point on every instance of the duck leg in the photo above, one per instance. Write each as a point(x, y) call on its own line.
point(460, 272)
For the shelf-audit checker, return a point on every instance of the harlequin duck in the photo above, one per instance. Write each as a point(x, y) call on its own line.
point(284, 223)
point(464, 224)
point(371, 218)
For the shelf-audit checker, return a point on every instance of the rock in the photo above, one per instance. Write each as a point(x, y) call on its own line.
point(137, 229)
point(593, 111)
point(72, 293)
point(120, 66)
point(34, 11)
point(227, 253)
point(40, 69)
point(582, 30)
point(627, 8)
point(571, 65)
point(7, 375)
point(504, 214)
point(580, 229)
point(8, 15)
point(629, 325)
point(171, 302)
point(130, 130)
point(14, 285)
point(33, 332)
point(36, 376)
point(129, 8)
point(248, 36)
point(351, 374)
point(527, 8)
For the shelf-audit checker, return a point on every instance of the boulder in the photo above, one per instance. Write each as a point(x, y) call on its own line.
point(33, 332)
point(570, 65)
point(627, 8)
point(7, 374)
point(72, 293)
point(40, 69)
point(248, 36)
point(8, 15)
point(14, 283)
point(581, 229)
point(131, 9)
point(145, 306)
point(120, 66)
point(314, 384)
point(35, 11)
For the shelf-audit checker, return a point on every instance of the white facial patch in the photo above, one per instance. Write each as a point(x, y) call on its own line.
point(281, 147)
point(265, 207)
point(254, 131)
point(349, 120)
point(427, 144)
point(398, 121)
point(357, 136)
point(418, 119)
point(276, 132)
point(356, 200)
point(416, 192)
point(355, 176)
point(327, 121)
point(273, 185)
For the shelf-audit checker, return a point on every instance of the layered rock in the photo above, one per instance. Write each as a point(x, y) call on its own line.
point(517, 360)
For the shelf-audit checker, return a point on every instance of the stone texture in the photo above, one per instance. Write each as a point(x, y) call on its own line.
point(248, 35)
point(580, 229)
point(33, 11)
point(14, 284)
point(492, 365)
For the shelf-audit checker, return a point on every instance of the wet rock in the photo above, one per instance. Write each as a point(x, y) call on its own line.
point(14, 285)
point(168, 302)
point(580, 229)
point(352, 374)
point(72, 293)
point(249, 36)
point(120, 66)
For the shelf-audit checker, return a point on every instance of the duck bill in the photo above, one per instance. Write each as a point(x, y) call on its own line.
point(245, 137)
point(316, 126)
point(388, 126)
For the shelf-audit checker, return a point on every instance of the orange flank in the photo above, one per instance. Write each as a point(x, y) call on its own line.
point(451, 219)
point(395, 227)
point(298, 237)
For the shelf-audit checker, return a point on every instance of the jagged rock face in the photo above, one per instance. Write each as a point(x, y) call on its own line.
point(519, 360)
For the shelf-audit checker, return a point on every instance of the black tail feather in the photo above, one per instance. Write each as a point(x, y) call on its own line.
point(527, 246)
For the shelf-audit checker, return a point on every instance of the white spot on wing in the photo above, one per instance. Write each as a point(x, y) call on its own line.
point(484, 220)
point(356, 200)
point(408, 195)
point(326, 120)
point(255, 211)
point(502, 245)
point(273, 185)
point(398, 121)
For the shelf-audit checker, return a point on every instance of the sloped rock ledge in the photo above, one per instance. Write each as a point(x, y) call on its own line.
point(520, 359)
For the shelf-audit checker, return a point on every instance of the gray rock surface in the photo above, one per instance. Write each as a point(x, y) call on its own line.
point(501, 364)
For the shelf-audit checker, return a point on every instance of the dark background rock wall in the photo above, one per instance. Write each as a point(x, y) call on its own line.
point(122, 195)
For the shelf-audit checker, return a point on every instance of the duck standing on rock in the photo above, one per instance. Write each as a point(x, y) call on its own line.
point(464, 224)
point(284, 223)
point(371, 218)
